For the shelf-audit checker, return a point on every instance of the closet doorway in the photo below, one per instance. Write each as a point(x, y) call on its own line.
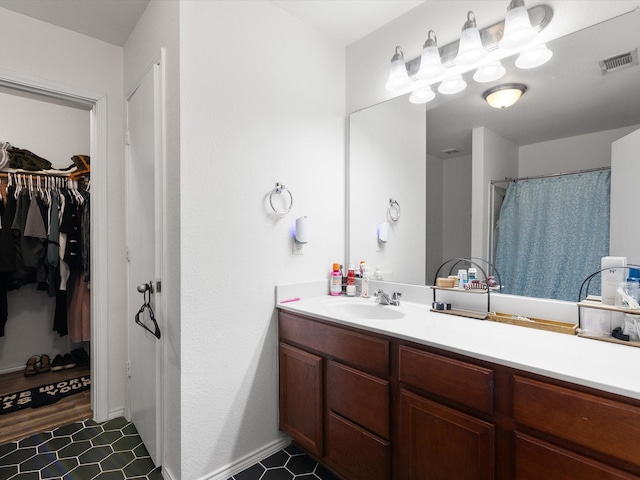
point(94, 104)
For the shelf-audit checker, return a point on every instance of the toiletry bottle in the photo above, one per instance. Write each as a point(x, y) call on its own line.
point(378, 273)
point(351, 281)
point(336, 280)
point(462, 278)
point(472, 274)
point(366, 277)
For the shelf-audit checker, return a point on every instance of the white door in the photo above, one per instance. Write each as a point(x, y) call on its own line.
point(144, 239)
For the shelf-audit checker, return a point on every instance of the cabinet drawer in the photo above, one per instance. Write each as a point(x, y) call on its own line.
point(597, 423)
point(369, 353)
point(360, 397)
point(462, 382)
point(360, 454)
point(536, 459)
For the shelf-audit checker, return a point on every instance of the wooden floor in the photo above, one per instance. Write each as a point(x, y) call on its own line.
point(29, 421)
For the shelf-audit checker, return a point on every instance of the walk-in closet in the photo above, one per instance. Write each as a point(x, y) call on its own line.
point(45, 275)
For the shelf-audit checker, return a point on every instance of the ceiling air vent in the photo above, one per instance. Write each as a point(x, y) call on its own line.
point(450, 151)
point(618, 62)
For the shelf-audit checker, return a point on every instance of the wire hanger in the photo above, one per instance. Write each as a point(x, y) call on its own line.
point(147, 306)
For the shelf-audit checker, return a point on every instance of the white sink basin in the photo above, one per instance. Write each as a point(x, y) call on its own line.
point(364, 309)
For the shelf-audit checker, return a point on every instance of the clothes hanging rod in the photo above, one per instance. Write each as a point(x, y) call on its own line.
point(509, 180)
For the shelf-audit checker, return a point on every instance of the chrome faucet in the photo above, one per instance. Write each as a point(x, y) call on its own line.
point(383, 298)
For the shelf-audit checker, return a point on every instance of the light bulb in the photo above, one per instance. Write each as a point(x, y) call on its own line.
point(470, 50)
point(398, 76)
point(518, 31)
point(430, 62)
point(490, 72)
point(534, 57)
point(452, 85)
point(422, 95)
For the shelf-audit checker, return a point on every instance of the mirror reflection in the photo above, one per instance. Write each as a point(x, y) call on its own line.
point(565, 122)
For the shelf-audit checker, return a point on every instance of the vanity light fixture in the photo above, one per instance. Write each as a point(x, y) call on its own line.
point(431, 66)
point(503, 96)
point(518, 31)
point(480, 50)
point(470, 51)
point(398, 76)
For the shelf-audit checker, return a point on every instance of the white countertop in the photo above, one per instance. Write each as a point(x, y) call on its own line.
point(605, 366)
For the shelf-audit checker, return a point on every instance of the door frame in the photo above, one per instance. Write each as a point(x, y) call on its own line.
point(160, 173)
point(96, 104)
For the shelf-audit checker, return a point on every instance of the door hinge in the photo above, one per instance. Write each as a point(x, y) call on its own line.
point(128, 368)
point(126, 255)
point(127, 137)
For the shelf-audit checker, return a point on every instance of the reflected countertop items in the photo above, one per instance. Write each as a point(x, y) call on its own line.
point(605, 366)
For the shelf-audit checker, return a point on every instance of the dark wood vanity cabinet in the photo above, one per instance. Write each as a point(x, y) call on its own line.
point(377, 408)
point(436, 440)
point(347, 424)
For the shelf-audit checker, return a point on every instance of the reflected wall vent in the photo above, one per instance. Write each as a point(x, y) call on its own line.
point(450, 151)
point(619, 62)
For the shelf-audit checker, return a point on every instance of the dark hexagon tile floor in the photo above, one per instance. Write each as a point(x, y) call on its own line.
point(289, 463)
point(83, 450)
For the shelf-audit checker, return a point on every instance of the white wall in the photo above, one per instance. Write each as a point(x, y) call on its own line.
point(159, 28)
point(625, 172)
point(435, 216)
point(494, 158)
point(387, 161)
point(54, 132)
point(57, 55)
point(592, 150)
point(456, 207)
point(262, 101)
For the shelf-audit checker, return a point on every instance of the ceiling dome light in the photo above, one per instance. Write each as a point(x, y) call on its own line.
point(452, 85)
point(504, 96)
point(470, 50)
point(398, 76)
point(490, 72)
point(518, 31)
point(431, 66)
point(422, 95)
point(534, 57)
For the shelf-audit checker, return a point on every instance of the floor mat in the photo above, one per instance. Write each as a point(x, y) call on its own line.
point(44, 394)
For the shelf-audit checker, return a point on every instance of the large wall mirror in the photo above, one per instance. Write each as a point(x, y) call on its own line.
point(432, 159)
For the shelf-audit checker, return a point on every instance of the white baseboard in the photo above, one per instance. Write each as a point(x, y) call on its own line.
point(121, 412)
point(167, 475)
point(12, 369)
point(248, 460)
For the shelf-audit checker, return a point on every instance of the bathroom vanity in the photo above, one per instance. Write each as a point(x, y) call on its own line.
point(414, 394)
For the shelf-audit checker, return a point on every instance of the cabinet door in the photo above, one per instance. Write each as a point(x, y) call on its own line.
point(439, 443)
point(301, 403)
point(536, 459)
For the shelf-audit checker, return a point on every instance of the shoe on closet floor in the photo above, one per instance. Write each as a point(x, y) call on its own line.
point(30, 368)
point(57, 364)
point(68, 361)
point(81, 357)
point(45, 364)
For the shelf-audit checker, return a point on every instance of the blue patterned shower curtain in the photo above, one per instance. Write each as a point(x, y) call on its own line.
point(552, 233)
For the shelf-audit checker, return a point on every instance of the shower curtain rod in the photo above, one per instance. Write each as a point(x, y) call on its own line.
point(509, 180)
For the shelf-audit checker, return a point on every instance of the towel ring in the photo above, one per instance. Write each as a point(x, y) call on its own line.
point(394, 210)
point(278, 190)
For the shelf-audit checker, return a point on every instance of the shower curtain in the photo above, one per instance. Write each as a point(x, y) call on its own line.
point(552, 234)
